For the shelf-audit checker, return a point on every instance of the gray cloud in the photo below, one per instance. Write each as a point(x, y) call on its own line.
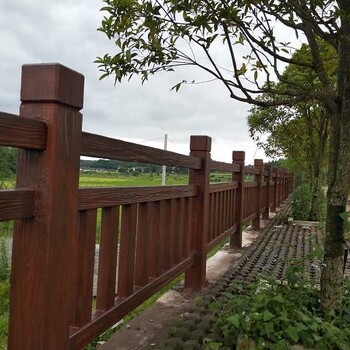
point(65, 31)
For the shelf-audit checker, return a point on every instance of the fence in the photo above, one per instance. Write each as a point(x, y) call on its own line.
point(164, 231)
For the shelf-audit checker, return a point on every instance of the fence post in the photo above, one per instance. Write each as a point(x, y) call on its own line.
point(43, 260)
point(258, 164)
point(200, 147)
point(281, 200)
point(265, 214)
point(238, 157)
point(275, 190)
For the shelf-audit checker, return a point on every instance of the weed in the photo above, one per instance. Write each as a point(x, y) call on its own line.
point(278, 314)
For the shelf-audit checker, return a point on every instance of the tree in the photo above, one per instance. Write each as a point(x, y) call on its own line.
point(161, 35)
point(8, 162)
point(301, 136)
point(300, 132)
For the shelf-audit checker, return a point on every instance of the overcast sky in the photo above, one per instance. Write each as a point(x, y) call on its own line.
point(64, 31)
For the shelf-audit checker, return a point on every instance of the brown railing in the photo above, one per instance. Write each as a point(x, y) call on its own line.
point(149, 235)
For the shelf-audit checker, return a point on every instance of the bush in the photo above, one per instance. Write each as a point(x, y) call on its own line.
point(301, 202)
point(274, 315)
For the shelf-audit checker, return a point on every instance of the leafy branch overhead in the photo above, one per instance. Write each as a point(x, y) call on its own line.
point(247, 45)
point(161, 35)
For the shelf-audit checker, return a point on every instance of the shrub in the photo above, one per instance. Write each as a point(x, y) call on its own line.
point(301, 202)
point(274, 315)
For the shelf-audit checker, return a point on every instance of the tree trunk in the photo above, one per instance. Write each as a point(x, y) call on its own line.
point(338, 189)
point(316, 198)
point(317, 122)
point(338, 174)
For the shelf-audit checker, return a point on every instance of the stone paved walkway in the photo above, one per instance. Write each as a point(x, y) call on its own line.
point(273, 250)
point(270, 255)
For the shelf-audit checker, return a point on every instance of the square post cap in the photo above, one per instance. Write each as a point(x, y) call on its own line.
point(52, 82)
point(200, 143)
point(238, 156)
point(258, 163)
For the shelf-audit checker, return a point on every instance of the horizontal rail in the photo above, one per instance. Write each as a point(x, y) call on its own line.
point(221, 166)
point(105, 147)
point(249, 218)
point(251, 170)
point(103, 320)
point(91, 198)
point(22, 132)
point(223, 186)
point(218, 239)
point(250, 184)
point(16, 204)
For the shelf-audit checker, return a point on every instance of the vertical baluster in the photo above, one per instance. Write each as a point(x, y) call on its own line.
point(108, 255)
point(142, 241)
point(153, 244)
point(86, 258)
point(164, 229)
point(127, 250)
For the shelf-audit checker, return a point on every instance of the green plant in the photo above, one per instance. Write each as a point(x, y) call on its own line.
point(301, 202)
point(275, 315)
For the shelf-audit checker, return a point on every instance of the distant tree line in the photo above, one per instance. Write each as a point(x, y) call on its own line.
point(126, 167)
point(8, 162)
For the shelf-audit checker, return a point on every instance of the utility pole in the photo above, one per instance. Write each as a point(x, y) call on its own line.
point(164, 166)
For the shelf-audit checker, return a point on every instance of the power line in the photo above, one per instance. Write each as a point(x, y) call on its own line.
point(159, 138)
point(173, 142)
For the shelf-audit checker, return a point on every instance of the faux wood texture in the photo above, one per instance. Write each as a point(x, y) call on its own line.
point(220, 238)
point(195, 277)
point(238, 158)
point(21, 132)
point(127, 251)
point(153, 244)
point(259, 164)
point(223, 186)
point(248, 169)
point(43, 260)
point(173, 228)
point(81, 337)
point(108, 255)
point(86, 259)
point(105, 147)
point(221, 166)
point(164, 230)
point(110, 196)
point(16, 204)
point(142, 244)
point(164, 233)
point(52, 82)
point(251, 184)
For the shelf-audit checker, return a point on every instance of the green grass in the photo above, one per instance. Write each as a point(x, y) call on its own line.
point(105, 179)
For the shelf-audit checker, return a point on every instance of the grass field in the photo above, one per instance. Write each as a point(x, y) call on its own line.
point(105, 179)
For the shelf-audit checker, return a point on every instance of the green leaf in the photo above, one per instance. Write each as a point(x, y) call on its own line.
point(267, 315)
point(269, 327)
point(235, 320)
point(279, 298)
point(293, 333)
point(176, 87)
